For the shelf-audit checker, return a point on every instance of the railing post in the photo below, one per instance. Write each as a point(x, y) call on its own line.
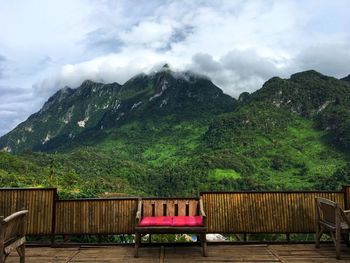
point(245, 237)
point(53, 224)
point(346, 191)
point(288, 237)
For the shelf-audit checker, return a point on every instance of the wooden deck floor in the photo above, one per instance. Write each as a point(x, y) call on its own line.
point(217, 253)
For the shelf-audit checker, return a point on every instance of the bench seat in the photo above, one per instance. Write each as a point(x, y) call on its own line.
point(174, 221)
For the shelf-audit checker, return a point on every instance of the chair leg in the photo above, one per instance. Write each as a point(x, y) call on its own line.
point(204, 244)
point(2, 255)
point(137, 244)
point(318, 235)
point(346, 239)
point(337, 243)
point(21, 253)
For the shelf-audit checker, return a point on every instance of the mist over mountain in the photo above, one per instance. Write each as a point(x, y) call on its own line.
point(70, 114)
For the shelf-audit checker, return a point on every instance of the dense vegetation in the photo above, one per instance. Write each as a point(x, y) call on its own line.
point(291, 134)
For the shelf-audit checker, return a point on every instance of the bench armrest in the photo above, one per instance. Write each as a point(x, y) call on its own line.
point(138, 212)
point(201, 207)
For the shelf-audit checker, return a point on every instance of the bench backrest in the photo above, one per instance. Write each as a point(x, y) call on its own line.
point(170, 207)
point(13, 226)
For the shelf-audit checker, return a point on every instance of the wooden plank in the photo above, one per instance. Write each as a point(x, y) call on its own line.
point(193, 207)
point(181, 207)
point(159, 207)
point(297, 253)
point(171, 207)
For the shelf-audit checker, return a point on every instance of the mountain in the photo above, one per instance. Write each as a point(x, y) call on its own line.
point(324, 101)
point(175, 133)
point(290, 134)
point(71, 115)
point(346, 78)
point(306, 93)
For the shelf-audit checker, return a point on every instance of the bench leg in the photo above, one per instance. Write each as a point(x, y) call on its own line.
point(137, 244)
point(204, 244)
point(21, 253)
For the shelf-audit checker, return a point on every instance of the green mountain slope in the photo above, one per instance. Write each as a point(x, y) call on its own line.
point(290, 134)
point(280, 150)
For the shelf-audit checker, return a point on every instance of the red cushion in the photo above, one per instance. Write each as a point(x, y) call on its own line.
point(156, 221)
point(172, 221)
point(187, 221)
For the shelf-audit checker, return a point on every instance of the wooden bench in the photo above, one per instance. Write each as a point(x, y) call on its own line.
point(171, 216)
point(12, 235)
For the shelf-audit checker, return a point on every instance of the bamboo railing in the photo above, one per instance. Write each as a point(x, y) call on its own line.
point(96, 216)
point(227, 212)
point(264, 212)
point(40, 202)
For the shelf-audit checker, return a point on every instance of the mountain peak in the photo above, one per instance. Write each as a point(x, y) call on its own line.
point(306, 93)
point(164, 69)
point(308, 74)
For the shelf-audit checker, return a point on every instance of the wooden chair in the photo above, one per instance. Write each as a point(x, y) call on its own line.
point(12, 235)
point(334, 220)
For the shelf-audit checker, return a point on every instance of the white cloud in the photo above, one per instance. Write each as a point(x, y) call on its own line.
point(239, 44)
point(148, 34)
point(329, 58)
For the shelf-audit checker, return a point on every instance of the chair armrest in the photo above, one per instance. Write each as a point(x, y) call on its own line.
point(346, 211)
point(15, 215)
point(14, 225)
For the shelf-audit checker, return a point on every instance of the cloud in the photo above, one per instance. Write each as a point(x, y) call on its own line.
point(8, 92)
point(102, 40)
point(238, 44)
point(14, 103)
point(330, 58)
point(2, 65)
point(149, 34)
point(8, 120)
point(236, 71)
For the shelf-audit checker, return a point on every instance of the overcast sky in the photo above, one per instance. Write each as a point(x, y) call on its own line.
point(45, 45)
